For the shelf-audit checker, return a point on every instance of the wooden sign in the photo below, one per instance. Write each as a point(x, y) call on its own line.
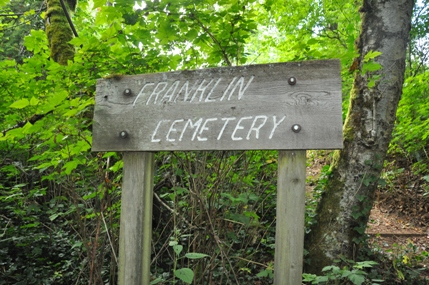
point(294, 105)
point(286, 106)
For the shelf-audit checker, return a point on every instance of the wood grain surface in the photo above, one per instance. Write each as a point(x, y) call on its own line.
point(228, 108)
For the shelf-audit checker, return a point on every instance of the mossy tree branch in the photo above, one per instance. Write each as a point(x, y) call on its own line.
point(59, 33)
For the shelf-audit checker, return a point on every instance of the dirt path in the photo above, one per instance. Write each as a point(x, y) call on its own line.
point(399, 220)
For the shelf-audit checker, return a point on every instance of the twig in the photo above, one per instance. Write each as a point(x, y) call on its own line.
point(108, 236)
point(224, 55)
point(250, 261)
point(5, 228)
point(218, 242)
point(171, 210)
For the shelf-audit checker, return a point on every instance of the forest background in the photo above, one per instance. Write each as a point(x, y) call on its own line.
point(214, 212)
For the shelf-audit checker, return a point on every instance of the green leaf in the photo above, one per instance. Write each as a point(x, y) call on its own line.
point(166, 32)
point(371, 55)
point(36, 41)
point(363, 264)
point(53, 216)
point(308, 277)
point(312, 41)
point(89, 196)
point(321, 279)
point(370, 66)
point(77, 244)
point(20, 104)
point(177, 248)
point(156, 281)
point(185, 274)
point(191, 35)
point(34, 101)
point(32, 225)
point(98, 4)
point(27, 128)
point(70, 166)
point(357, 279)
point(195, 255)
point(3, 2)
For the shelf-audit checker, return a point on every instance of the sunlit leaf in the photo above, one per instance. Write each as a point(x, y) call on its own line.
point(20, 104)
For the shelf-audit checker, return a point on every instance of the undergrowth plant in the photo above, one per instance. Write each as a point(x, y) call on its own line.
point(226, 212)
point(354, 272)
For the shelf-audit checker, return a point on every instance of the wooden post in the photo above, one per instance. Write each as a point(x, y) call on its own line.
point(136, 219)
point(289, 249)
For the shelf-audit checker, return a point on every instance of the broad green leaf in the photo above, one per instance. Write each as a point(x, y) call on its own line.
point(166, 32)
point(312, 41)
point(195, 255)
point(370, 66)
point(177, 248)
point(36, 41)
point(27, 128)
point(184, 274)
point(58, 97)
point(264, 273)
point(3, 2)
point(321, 279)
point(98, 3)
point(357, 279)
point(34, 101)
point(20, 104)
point(191, 35)
point(70, 166)
point(70, 113)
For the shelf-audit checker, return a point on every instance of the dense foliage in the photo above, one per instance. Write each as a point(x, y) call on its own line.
point(60, 203)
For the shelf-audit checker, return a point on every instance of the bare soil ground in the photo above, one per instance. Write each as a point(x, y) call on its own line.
point(398, 226)
point(400, 216)
point(399, 221)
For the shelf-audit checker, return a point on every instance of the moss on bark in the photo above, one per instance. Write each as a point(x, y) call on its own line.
point(59, 33)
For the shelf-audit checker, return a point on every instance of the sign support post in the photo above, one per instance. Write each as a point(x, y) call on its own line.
point(290, 107)
point(136, 219)
point(289, 250)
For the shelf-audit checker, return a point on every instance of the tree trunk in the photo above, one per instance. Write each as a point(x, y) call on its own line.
point(59, 32)
point(345, 205)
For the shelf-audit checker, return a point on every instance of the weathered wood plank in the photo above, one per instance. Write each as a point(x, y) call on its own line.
point(290, 213)
point(246, 107)
point(136, 219)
